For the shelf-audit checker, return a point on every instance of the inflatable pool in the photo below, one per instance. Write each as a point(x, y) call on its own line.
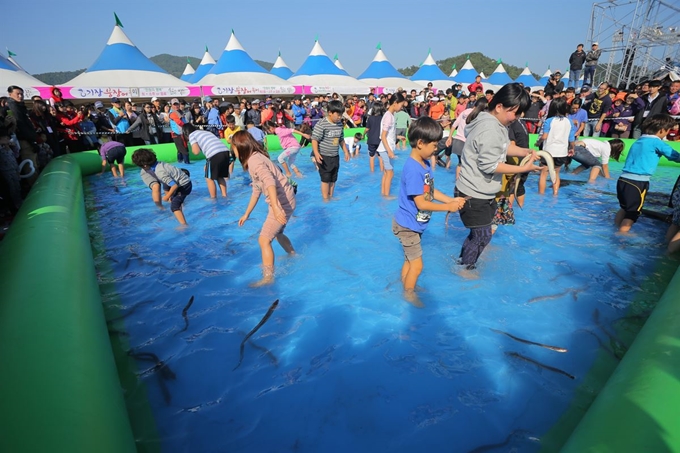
point(62, 375)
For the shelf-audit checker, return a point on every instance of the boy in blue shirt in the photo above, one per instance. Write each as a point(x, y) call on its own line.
point(641, 162)
point(416, 201)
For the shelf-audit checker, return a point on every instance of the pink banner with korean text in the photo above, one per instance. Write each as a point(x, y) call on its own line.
point(250, 90)
point(123, 92)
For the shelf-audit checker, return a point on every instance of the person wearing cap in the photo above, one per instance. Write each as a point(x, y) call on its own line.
point(101, 119)
point(268, 112)
point(554, 85)
point(436, 108)
point(156, 103)
point(176, 124)
point(253, 114)
point(299, 112)
point(120, 122)
point(576, 60)
point(215, 124)
point(591, 64)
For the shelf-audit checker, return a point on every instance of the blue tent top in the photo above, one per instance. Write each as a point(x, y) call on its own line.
point(527, 78)
point(281, 69)
point(499, 76)
point(121, 54)
point(380, 68)
point(6, 64)
point(204, 67)
point(467, 73)
point(235, 59)
point(429, 71)
point(318, 63)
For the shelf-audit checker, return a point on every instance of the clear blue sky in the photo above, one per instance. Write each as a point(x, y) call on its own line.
point(75, 31)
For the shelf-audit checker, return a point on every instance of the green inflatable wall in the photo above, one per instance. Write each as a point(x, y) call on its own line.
point(59, 384)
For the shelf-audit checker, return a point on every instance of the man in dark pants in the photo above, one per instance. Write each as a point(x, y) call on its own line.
point(591, 64)
point(25, 130)
point(576, 61)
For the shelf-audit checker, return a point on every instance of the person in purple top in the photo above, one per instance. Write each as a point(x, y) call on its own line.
point(113, 153)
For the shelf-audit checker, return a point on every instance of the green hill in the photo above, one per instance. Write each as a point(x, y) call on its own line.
point(173, 64)
point(481, 62)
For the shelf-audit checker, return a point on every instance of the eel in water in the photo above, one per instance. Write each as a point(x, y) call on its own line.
point(539, 364)
point(250, 334)
point(533, 343)
point(184, 314)
point(549, 162)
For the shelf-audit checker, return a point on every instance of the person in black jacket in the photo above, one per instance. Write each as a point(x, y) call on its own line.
point(554, 85)
point(654, 102)
point(576, 61)
point(25, 131)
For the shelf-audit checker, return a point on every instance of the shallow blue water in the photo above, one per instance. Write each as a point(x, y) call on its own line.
point(344, 364)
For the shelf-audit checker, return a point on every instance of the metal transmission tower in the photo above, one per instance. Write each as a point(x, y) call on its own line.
point(641, 37)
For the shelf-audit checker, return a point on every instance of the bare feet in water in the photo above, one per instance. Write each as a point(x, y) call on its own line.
point(413, 299)
point(264, 282)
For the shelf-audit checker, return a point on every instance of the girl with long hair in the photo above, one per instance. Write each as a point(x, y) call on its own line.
point(279, 195)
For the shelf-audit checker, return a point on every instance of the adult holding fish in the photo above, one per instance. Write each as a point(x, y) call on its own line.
point(483, 165)
point(279, 195)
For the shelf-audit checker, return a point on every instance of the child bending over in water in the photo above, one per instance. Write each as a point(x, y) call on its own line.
point(175, 181)
point(417, 197)
point(641, 162)
point(279, 195)
point(289, 144)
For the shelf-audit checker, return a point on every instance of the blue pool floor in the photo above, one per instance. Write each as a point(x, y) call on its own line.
point(344, 363)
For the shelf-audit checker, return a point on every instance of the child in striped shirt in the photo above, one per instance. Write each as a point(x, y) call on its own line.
point(327, 138)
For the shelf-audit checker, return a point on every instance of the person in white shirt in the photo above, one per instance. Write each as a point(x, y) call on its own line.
point(595, 154)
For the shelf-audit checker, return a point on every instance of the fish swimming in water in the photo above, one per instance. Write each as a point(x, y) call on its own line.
point(549, 162)
point(259, 324)
point(549, 296)
point(266, 351)
point(184, 314)
point(539, 364)
point(533, 343)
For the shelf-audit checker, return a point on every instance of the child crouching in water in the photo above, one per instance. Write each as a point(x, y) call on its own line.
point(279, 195)
point(175, 181)
point(416, 201)
point(112, 153)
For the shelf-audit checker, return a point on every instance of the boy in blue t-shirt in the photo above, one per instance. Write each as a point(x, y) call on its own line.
point(416, 201)
point(641, 162)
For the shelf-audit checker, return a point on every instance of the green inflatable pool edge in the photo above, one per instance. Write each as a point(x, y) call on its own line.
point(60, 385)
point(60, 388)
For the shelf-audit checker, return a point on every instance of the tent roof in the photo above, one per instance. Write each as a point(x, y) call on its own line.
point(318, 63)
point(280, 68)
point(527, 78)
point(467, 73)
point(546, 76)
point(236, 67)
point(122, 64)
point(430, 72)
point(381, 68)
point(204, 67)
point(12, 75)
point(320, 73)
point(336, 62)
point(499, 77)
point(188, 73)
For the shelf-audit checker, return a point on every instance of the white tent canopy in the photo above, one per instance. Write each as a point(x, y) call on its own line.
point(122, 70)
point(322, 76)
point(236, 73)
point(11, 74)
point(188, 73)
point(430, 72)
point(381, 73)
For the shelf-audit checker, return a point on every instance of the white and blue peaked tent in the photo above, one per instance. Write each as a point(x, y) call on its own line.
point(204, 67)
point(320, 74)
point(281, 69)
point(381, 73)
point(430, 72)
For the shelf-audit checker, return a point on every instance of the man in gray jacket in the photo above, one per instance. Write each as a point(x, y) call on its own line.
point(591, 64)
